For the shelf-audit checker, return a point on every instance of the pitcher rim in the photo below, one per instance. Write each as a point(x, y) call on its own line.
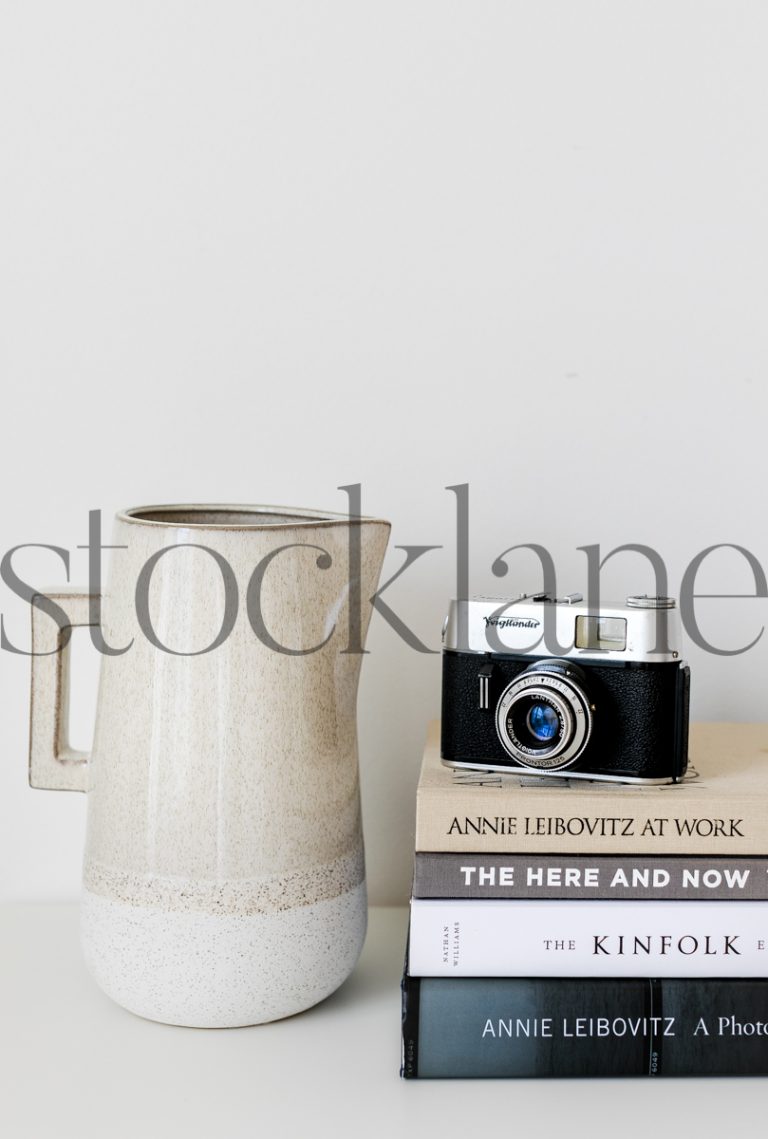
point(290, 516)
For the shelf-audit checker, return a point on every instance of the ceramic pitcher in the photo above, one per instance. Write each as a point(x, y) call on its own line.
point(223, 877)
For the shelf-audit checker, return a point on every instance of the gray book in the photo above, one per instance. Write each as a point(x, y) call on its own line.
point(601, 877)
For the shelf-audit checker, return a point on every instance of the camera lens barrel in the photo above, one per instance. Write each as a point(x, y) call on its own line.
point(544, 716)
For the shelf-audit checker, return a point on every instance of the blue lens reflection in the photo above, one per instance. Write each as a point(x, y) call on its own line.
point(543, 722)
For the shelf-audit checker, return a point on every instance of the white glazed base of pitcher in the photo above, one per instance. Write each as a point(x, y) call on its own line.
point(221, 970)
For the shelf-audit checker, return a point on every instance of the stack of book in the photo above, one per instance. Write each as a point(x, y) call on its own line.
point(572, 928)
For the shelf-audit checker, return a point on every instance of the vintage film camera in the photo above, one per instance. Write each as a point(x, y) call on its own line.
point(550, 686)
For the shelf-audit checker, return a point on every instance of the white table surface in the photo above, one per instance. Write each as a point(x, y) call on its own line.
point(74, 1064)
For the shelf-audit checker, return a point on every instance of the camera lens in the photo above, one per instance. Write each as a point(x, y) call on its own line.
point(544, 717)
point(537, 721)
point(542, 722)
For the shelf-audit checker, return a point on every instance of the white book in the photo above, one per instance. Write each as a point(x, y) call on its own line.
point(502, 938)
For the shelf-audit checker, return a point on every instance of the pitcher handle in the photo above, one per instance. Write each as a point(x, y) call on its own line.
point(53, 764)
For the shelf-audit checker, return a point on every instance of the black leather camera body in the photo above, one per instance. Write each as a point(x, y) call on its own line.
point(549, 687)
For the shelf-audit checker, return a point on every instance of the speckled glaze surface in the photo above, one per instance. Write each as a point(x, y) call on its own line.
point(224, 876)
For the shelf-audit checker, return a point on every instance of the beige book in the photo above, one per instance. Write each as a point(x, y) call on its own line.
point(721, 807)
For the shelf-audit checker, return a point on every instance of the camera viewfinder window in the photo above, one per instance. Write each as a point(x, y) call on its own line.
point(606, 633)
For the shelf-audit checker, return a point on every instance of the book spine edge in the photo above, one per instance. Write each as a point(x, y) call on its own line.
point(437, 875)
point(660, 1058)
point(410, 989)
point(497, 938)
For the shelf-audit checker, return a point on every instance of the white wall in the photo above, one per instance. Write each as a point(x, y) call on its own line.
point(251, 252)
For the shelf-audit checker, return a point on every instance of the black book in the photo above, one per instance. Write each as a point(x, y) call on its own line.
point(530, 1027)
